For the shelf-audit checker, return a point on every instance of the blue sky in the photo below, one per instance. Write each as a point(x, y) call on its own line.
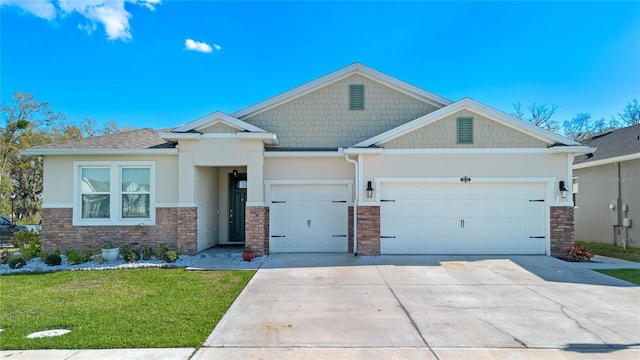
point(141, 69)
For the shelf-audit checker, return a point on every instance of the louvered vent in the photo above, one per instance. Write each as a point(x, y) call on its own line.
point(465, 130)
point(356, 97)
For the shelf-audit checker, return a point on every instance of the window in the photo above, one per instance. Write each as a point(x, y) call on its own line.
point(465, 130)
point(135, 192)
point(356, 97)
point(94, 189)
point(120, 193)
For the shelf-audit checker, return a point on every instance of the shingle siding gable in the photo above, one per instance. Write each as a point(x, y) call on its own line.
point(322, 119)
point(443, 134)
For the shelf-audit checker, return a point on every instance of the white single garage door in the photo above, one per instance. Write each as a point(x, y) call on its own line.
point(308, 218)
point(427, 218)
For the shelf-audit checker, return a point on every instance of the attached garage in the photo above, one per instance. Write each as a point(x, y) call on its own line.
point(463, 218)
point(308, 218)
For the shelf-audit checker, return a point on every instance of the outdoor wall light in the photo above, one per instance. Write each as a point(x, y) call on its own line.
point(235, 173)
point(369, 190)
point(563, 189)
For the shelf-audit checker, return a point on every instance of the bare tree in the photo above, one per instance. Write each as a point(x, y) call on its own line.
point(630, 115)
point(539, 115)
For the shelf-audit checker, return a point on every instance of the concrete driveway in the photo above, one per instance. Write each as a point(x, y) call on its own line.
point(428, 307)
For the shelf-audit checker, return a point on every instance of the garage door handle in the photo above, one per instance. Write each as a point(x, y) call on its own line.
point(387, 237)
point(339, 201)
point(462, 224)
point(387, 201)
point(339, 235)
point(538, 200)
point(537, 237)
point(278, 202)
point(279, 236)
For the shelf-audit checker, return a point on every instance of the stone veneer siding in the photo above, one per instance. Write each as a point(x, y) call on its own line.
point(257, 229)
point(368, 230)
point(175, 228)
point(561, 229)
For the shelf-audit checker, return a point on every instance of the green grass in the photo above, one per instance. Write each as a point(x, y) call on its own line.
point(632, 254)
point(138, 308)
point(630, 275)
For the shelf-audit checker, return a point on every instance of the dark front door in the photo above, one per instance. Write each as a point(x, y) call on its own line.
point(237, 201)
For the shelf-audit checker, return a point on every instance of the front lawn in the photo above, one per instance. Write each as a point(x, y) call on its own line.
point(632, 254)
point(139, 308)
point(630, 275)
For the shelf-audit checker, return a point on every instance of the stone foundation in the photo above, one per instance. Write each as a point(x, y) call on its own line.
point(257, 229)
point(175, 228)
point(561, 229)
point(368, 230)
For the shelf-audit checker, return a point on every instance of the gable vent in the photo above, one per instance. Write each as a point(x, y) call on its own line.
point(356, 97)
point(465, 130)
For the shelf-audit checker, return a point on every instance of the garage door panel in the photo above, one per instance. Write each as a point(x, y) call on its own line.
point(308, 218)
point(463, 219)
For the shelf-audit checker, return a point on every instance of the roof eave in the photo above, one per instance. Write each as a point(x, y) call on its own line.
point(47, 152)
point(611, 160)
point(340, 74)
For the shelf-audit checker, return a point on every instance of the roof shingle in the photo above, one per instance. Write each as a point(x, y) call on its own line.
point(134, 139)
point(615, 143)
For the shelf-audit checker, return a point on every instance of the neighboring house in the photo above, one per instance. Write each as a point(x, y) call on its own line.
point(607, 190)
point(422, 174)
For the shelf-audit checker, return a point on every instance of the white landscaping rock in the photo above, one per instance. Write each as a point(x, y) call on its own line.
point(48, 333)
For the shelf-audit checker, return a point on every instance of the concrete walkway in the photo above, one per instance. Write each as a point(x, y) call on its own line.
point(310, 306)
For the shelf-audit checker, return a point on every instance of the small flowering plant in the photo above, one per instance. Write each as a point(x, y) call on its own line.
point(578, 252)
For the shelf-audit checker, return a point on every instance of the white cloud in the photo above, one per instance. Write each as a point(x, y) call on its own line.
point(109, 13)
point(199, 46)
point(217, 47)
point(40, 8)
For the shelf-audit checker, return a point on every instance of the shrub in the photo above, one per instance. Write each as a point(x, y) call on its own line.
point(53, 259)
point(4, 257)
point(29, 243)
point(161, 252)
point(98, 258)
point(75, 258)
point(578, 253)
point(171, 256)
point(129, 254)
point(146, 253)
point(17, 263)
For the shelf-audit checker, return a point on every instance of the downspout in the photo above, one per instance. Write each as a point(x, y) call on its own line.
point(355, 204)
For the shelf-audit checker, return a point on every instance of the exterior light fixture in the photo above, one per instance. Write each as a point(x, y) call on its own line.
point(369, 190)
point(563, 189)
point(13, 213)
point(235, 173)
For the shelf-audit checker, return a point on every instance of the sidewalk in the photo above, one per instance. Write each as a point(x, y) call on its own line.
point(602, 262)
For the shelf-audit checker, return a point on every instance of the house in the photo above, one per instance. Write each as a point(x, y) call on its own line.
point(607, 189)
point(355, 154)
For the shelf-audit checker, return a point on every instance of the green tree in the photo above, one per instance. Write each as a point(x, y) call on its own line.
point(29, 122)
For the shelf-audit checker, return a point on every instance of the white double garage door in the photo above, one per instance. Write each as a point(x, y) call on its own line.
point(415, 218)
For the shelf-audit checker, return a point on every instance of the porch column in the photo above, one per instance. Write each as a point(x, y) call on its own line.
point(256, 212)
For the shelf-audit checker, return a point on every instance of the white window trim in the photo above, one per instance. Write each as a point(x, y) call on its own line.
point(115, 204)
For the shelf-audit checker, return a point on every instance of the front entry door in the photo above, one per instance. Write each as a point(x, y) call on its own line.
point(237, 201)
